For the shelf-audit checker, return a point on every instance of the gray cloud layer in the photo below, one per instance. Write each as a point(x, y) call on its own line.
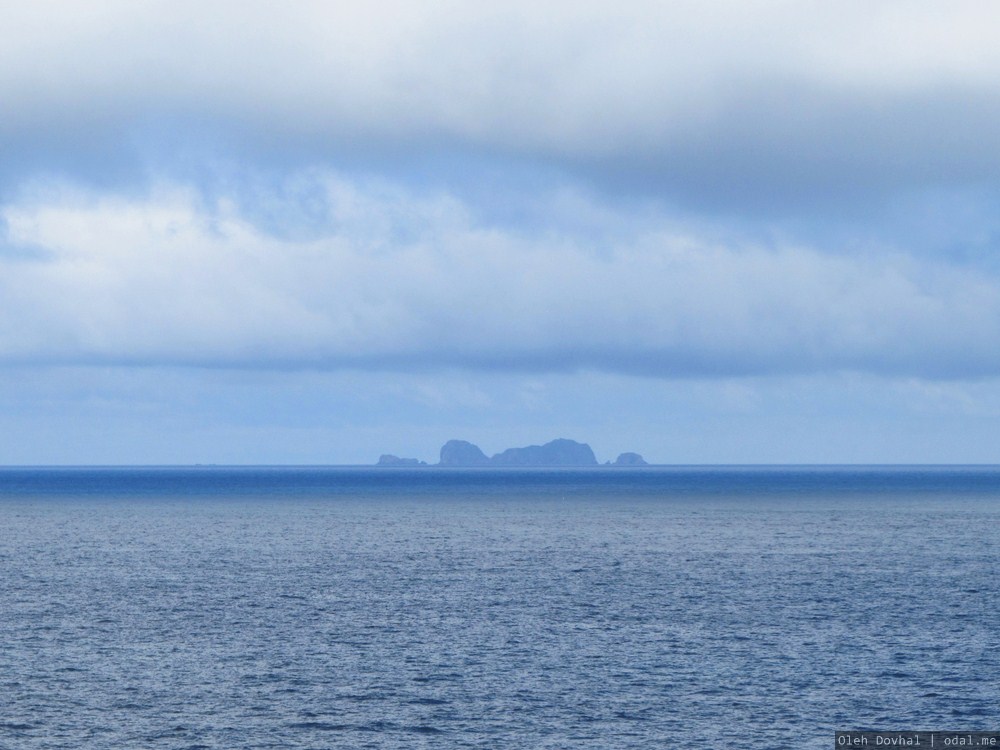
point(719, 103)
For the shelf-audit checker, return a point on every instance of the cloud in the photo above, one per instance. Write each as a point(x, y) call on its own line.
point(665, 189)
point(744, 105)
point(403, 280)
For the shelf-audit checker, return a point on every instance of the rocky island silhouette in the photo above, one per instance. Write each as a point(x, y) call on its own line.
point(559, 452)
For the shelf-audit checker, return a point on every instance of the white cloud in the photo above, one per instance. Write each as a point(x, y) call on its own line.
point(403, 280)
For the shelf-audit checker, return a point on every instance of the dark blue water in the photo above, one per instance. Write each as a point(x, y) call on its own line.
point(356, 608)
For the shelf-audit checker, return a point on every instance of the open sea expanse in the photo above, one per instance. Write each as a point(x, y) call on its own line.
point(433, 608)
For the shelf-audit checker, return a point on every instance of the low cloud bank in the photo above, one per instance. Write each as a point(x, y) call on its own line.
point(405, 280)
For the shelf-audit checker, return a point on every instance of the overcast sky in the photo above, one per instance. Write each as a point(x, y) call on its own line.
point(712, 232)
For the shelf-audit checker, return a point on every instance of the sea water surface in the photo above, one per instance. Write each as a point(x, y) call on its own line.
point(433, 608)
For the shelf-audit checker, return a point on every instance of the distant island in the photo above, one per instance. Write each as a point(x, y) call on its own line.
point(559, 452)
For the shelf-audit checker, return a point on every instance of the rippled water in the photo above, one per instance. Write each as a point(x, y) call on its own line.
point(337, 608)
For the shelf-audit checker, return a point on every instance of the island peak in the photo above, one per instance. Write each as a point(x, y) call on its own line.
point(462, 453)
point(559, 452)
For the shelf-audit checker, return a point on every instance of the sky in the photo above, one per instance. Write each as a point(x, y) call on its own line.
point(723, 231)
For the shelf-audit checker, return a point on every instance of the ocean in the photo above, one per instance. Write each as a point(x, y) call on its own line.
point(316, 607)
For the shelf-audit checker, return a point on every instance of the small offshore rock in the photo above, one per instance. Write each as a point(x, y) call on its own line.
point(387, 459)
point(630, 459)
